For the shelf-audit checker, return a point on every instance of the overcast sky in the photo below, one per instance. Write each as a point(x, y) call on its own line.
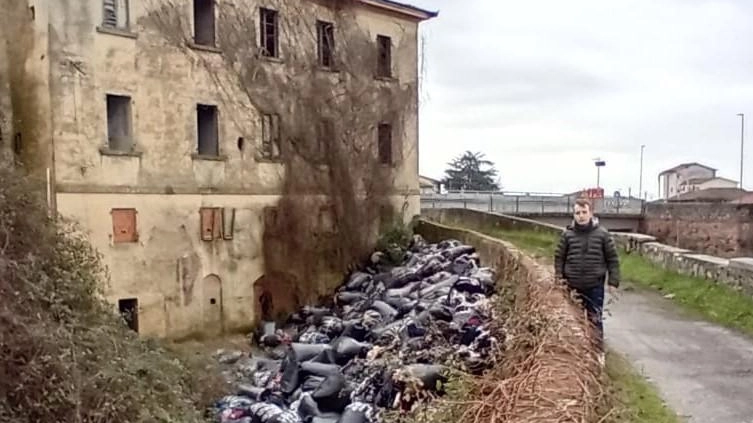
point(544, 86)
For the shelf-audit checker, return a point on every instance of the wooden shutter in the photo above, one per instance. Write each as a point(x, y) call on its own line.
point(207, 223)
point(124, 225)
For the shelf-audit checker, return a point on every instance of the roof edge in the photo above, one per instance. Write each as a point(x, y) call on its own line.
point(403, 9)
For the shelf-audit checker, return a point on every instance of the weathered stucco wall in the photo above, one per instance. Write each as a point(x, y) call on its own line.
point(561, 351)
point(724, 230)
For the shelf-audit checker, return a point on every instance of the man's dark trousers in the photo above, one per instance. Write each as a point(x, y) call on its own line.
point(593, 302)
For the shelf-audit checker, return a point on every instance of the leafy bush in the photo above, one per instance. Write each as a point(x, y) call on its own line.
point(66, 355)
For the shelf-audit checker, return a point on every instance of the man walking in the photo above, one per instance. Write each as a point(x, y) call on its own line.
point(585, 256)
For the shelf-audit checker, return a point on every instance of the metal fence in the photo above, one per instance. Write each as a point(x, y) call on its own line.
point(530, 204)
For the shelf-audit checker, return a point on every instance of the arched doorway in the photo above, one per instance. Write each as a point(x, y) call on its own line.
point(211, 305)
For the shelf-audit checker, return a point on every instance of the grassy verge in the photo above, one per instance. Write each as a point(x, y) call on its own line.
point(633, 398)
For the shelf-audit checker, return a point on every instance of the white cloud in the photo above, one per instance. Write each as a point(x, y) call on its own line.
point(542, 87)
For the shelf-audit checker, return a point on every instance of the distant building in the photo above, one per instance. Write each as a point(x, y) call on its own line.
point(690, 177)
point(428, 185)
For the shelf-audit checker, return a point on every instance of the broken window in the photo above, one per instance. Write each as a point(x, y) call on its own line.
point(124, 226)
point(270, 132)
point(325, 35)
point(384, 140)
point(115, 14)
point(119, 123)
point(268, 25)
point(207, 130)
point(203, 22)
point(384, 56)
point(129, 310)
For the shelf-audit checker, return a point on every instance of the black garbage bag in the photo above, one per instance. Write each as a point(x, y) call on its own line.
point(307, 407)
point(319, 369)
point(356, 330)
point(400, 276)
point(401, 292)
point(313, 337)
point(347, 348)
point(291, 378)
point(463, 265)
point(358, 281)
point(331, 326)
point(303, 352)
point(349, 297)
point(329, 396)
point(327, 356)
point(357, 412)
point(267, 364)
point(454, 252)
point(255, 393)
point(385, 310)
point(441, 312)
point(312, 382)
point(472, 286)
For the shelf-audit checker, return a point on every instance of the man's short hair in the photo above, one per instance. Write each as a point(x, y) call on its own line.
point(584, 202)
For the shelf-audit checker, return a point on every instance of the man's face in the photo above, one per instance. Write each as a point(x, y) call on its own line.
point(582, 214)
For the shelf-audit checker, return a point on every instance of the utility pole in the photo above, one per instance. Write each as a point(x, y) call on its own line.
point(640, 183)
point(742, 143)
point(599, 164)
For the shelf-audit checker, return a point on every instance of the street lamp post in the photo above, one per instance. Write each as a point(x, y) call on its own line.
point(599, 164)
point(640, 182)
point(742, 143)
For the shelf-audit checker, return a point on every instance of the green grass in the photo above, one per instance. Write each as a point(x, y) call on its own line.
point(632, 398)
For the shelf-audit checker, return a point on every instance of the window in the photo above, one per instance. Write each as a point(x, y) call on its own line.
point(384, 58)
point(203, 22)
point(129, 309)
point(119, 123)
point(124, 226)
point(325, 36)
point(270, 142)
point(268, 25)
point(384, 140)
point(207, 133)
point(115, 14)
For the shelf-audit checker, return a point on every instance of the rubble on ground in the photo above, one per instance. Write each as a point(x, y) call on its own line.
point(385, 341)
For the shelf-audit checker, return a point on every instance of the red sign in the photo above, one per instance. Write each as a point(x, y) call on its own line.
point(593, 193)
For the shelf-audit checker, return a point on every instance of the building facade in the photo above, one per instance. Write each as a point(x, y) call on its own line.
point(689, 177)
point(162, 168)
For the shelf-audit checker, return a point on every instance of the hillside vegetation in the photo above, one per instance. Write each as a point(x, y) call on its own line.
point(66, 355)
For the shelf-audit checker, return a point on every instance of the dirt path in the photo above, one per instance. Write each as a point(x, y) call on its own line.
point(703, 371)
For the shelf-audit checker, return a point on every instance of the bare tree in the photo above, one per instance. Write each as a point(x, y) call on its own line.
point(324, 108)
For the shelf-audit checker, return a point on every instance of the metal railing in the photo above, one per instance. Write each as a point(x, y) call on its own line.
point(529, 203)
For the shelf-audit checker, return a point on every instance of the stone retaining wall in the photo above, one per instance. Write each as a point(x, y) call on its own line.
point(566, 381)
point(735, 272)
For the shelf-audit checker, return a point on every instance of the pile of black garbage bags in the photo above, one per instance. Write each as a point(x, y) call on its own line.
point(385, 341)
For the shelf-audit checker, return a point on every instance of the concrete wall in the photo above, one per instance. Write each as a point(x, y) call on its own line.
point(561, 340)
point(63, 66)
point(724, 230)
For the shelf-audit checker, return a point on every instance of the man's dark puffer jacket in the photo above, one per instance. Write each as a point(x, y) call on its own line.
point(585, 254)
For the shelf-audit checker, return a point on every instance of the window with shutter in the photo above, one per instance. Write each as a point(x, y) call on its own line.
point(115, 14)
point(124, 225)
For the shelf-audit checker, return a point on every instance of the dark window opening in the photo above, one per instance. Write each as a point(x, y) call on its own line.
point(268, 25)
point(129, 309)
point(385, 143)
point(115, 14)
point(203, 22)
point(270, 141)
point(119, 123)
point(17, 144)
point(384, 58)
point(208, 137)
point(212, 301)
point(241, 143)
point(325, 34)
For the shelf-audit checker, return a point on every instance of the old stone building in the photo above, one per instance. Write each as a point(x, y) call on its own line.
point(169, 172)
